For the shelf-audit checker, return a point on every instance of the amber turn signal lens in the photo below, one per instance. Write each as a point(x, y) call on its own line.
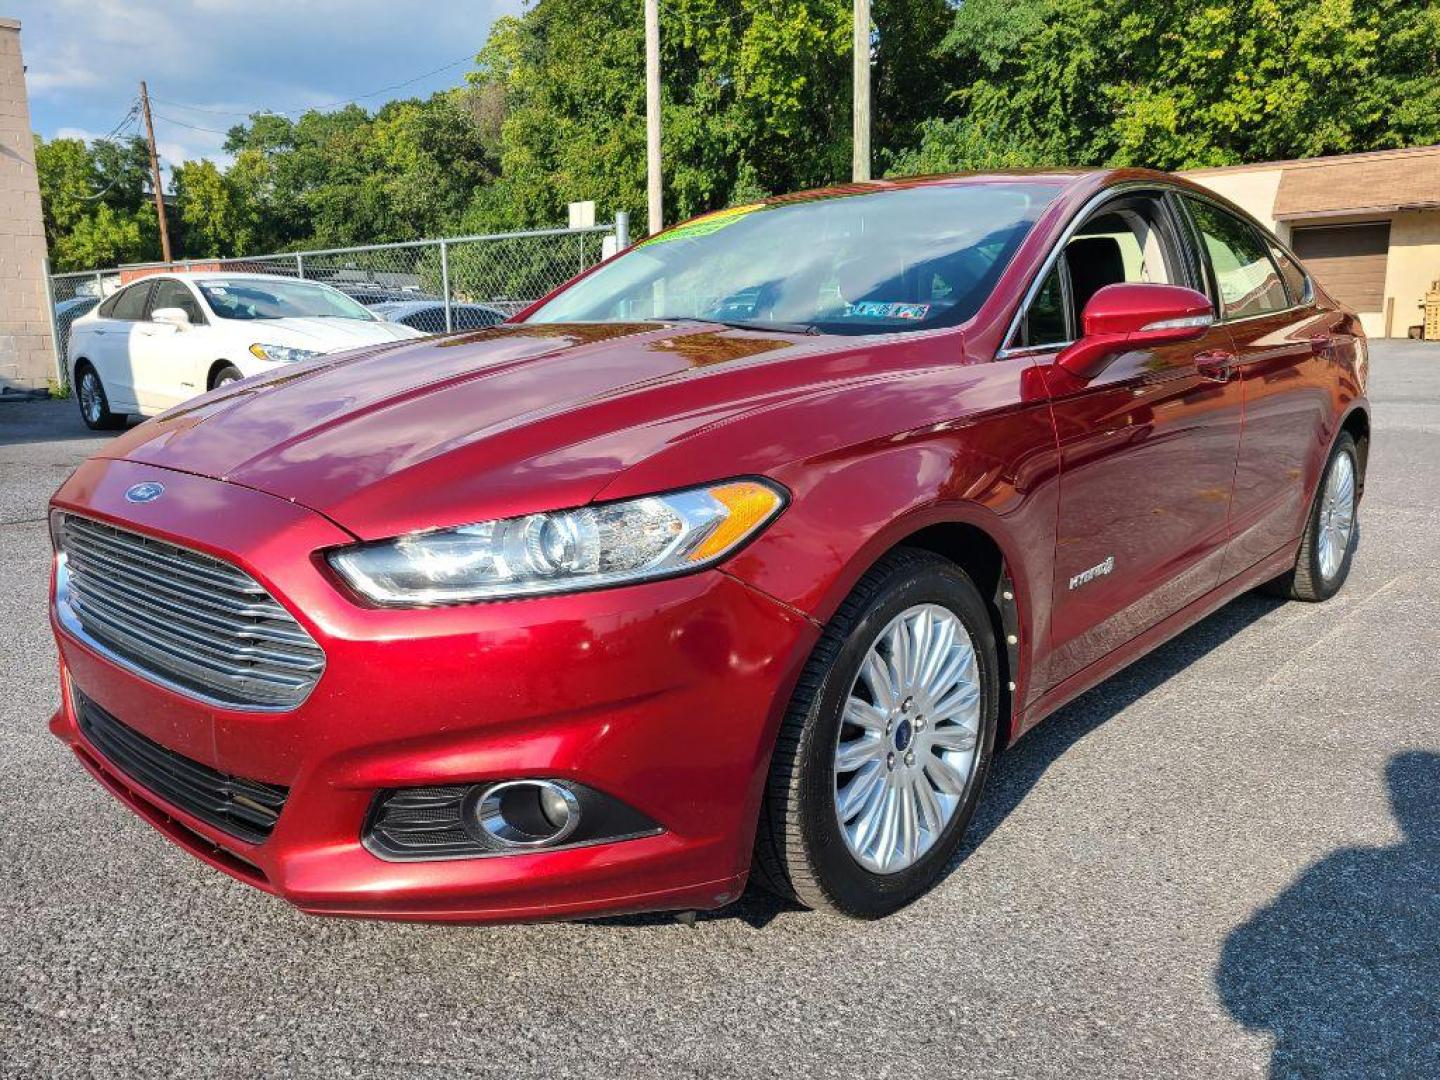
point(749, 504)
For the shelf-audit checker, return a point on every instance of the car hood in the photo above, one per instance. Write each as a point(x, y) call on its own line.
point(322, 334)
point(499, 422)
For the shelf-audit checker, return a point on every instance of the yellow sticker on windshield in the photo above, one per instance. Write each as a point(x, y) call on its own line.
point(702, 226)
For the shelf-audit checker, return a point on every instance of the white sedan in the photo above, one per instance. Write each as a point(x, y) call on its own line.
point(164, 339)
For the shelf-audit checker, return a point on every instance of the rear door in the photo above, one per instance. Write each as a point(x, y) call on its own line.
point(1283, 343)
point(1147, 448)
point(111, 348)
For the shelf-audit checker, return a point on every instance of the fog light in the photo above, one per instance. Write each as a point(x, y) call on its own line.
point(527, 813)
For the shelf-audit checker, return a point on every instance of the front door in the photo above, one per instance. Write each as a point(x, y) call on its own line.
point(1147, 450)
point(172, 361)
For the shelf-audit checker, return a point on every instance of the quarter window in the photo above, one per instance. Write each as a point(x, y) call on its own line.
point(1045, 322)
point(1248, 281)
point(1296, 279)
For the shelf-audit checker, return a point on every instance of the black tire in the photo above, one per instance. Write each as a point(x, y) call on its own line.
point(94, 404)
point(227, 374)
point(1306, 580)
point(800, 853)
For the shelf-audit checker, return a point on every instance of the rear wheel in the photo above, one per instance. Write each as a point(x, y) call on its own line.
point(94, 405)
point(1328, 546)
point(886, 744)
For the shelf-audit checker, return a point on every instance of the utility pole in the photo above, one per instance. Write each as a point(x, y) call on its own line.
point(860, 141)
point(652, 116)
point(155, 173)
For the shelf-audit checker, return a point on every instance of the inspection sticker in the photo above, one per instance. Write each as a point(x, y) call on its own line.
point(875, 309)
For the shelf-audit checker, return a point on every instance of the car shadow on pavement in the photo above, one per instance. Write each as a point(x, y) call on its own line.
point(1020, 767)
point(1343, 967)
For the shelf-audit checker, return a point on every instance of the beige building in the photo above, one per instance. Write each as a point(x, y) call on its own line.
point(1367, 225)
point(27, 350)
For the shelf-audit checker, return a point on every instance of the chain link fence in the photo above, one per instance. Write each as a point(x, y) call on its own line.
point(455, 283)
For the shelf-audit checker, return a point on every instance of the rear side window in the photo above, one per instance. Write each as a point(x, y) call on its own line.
point(1296, 280)
point(1248, 281)
point(129, 303)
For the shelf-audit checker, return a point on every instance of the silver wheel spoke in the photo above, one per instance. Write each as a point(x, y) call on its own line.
point(908, 739)
point(944, 776)
point(863, 714)
point(953, 738)
point(851, 755)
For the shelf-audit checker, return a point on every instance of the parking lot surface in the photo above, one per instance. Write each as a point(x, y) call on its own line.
point(1223, 862)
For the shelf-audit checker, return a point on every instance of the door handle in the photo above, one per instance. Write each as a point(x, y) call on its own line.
point(1216, 365)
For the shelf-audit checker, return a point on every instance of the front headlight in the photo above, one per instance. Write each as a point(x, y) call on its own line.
point(281, 354)
point(564, 551)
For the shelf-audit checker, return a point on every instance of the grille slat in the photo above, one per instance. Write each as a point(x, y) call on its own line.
point(194, 618)
point(136, 549)
point(183, 618)
point(243, 808)
point(178, 590)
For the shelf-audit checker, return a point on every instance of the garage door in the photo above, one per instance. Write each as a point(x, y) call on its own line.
point(1347, 260)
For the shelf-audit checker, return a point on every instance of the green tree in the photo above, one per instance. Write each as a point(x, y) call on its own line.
point(755, 100)
point(1187, 84)
point(95, 202)
point(215, 219)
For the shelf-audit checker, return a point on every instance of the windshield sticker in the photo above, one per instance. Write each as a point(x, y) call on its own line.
point(874, 309)
point(702, 226)
point(218, 290)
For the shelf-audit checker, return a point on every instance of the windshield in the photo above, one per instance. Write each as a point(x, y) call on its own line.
point(886, 261)
point(251, 299)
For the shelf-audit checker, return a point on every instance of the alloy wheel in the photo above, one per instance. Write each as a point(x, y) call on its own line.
point(90, 397)
point(1337, 516)
point(906, 751)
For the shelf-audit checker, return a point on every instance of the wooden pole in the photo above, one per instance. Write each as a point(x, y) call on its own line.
point(860, 146)
point(652, 116)
point(155, 174)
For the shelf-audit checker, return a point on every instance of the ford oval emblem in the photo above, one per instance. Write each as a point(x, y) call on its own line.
point(146, 492)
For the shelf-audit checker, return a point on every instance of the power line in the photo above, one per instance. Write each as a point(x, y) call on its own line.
point(182, 123)
point(467, 58)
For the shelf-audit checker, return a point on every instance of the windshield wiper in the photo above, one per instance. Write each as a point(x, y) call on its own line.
point(742, 324)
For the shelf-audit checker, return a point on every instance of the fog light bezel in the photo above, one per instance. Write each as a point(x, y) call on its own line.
point(484, 815)
point(435, 823)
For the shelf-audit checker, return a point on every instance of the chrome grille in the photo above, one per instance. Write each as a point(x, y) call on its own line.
point(183, 619)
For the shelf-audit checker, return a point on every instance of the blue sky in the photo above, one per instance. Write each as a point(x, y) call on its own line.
point(85, 59)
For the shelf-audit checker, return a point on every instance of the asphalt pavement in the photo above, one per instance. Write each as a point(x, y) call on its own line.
point(1223, 862)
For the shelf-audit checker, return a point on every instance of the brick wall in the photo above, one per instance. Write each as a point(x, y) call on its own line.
point(27, 356)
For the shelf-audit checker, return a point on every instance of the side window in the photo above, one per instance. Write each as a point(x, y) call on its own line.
point(130, 303)
point(1248, 281)
point(1045, 322)
point(1130, 240)
point(1296, 280)
point(171, 293)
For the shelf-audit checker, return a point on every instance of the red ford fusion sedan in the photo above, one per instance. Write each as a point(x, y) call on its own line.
point(741, 555)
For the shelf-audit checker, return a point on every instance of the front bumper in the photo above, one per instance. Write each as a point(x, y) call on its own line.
point(664, 695)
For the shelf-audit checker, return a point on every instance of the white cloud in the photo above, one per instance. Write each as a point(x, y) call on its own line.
point(211, 62)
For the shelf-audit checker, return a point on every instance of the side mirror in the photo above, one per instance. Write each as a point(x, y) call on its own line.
point(171, 316)
point(1135, 316)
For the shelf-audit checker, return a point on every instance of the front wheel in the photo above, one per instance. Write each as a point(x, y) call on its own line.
point(1328, 545)
point(884, 749)
point(225, 376)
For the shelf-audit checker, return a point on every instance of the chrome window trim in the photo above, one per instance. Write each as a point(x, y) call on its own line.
point(1095, 201)
point(70, 623)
